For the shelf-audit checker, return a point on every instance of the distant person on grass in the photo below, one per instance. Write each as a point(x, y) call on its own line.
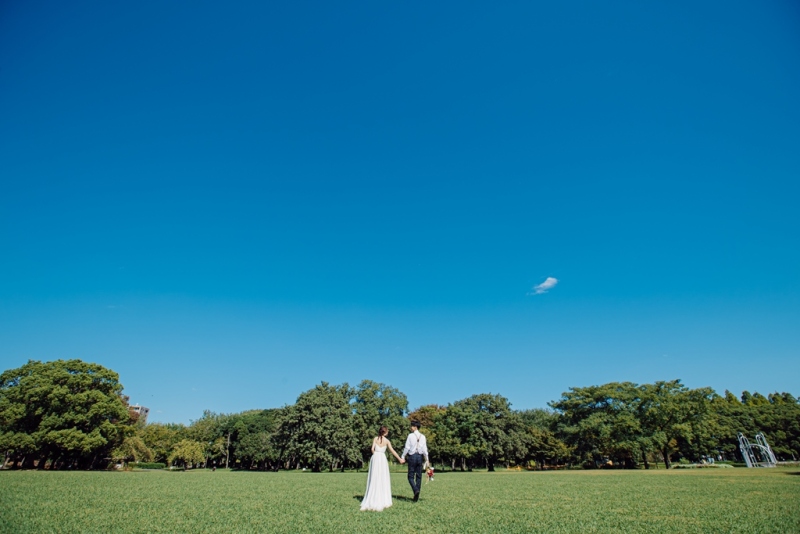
point(379, 487)
point(417, 450)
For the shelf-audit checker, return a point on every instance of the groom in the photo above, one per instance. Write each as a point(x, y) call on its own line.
point(417, 450)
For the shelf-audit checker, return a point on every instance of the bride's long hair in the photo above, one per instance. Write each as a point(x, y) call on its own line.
point(382, 432)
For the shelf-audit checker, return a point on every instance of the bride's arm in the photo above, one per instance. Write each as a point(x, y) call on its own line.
point(395, 454)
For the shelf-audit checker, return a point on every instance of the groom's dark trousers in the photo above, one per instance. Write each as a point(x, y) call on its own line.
point(415, 471)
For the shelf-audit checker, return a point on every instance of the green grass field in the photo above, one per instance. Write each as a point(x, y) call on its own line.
point(718, 500)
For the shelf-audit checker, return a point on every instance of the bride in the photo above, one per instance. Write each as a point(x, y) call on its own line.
point(379, 487)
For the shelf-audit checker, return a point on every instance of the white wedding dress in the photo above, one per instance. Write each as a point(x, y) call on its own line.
point(379, 486)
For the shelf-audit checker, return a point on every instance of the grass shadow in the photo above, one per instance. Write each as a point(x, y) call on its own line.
point(360, 498)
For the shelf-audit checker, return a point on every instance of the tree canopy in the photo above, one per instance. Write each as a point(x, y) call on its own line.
point(68, 411)
point(375, 405)
point(72, 414)
point(318, 429)
point(187, 453)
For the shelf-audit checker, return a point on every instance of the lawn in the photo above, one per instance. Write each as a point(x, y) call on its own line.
point(718, 500)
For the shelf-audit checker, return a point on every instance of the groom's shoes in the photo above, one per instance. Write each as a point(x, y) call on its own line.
point(416, 496)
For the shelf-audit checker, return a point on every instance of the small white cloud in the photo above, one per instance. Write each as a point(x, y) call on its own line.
point(545, 286)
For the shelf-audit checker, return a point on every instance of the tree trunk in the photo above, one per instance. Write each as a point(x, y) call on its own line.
point(665, 455)
point(228, 450)
point(490, 465)
point(644, 459)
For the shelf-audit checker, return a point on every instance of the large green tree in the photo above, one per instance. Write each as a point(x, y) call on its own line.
point(777, 415)
point(187, 452)
point(440, 447)
point(257, 449)
point(375, 405)
point(133, 448)
point(69, 412)
point(161, 438)
point(602, 424)
point(623, 423)
point(253, 443)
point(319, 430)
point(780, 422)
point(447, 438)
point(540, 418)
point(426, 415)
point(481, 429)
point(214, 431)
point(675, 418)
point(544, 446)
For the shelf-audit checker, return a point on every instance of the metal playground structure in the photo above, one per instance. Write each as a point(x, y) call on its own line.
point(758, 454)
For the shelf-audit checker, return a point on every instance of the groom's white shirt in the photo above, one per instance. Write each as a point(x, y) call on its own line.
point(416, 444)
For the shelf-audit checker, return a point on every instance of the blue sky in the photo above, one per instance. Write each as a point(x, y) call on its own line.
point(230, 204)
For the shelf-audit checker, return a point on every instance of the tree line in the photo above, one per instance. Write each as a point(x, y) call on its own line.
point(70, 414)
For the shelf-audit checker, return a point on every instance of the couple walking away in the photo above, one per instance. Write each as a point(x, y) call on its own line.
point(379, 487)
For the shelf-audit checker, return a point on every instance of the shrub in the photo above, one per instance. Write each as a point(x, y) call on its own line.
point(148, 465)
point(701, 466)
